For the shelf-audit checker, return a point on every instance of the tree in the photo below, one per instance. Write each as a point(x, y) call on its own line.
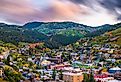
point(12, 75)
point(54, 74)
point(91, 78)
point(61, 75)
point(86, 78)
point(6, 62)
point(43, 73)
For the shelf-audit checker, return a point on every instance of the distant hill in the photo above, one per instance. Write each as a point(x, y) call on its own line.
point(54, 34)
point(52, 28)
point(69, 28)
point(102, 29)
point(33, 25)
point(14, 34)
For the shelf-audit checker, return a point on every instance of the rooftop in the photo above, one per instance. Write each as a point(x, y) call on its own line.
point(71, 73)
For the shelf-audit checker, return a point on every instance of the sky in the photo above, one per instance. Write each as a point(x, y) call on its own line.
point(88, 12)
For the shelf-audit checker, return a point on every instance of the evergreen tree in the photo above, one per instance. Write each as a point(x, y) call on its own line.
point(8, 60)
point(61, 75)
point(86, 78)
point(91, 78)
point(54, 74)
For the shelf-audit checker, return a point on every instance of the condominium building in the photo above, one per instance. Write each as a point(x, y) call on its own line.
point(72, 77)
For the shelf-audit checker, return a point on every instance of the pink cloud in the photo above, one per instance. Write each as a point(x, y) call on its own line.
point(22, 11)
point(16, 11)
point(61, 10)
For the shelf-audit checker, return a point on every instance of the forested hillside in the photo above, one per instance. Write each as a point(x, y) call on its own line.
point(112, 37)
point(54, 34)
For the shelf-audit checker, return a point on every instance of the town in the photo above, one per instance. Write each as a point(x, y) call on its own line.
point(82, 61)
point(60, 40)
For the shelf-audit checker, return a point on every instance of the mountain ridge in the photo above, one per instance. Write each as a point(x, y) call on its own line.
point(62, 33)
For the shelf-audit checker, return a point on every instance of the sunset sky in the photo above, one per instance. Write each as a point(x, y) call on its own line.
point(88, 12)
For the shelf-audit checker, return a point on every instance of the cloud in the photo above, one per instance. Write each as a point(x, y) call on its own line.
point(113, 6)
point(65, 10)
point(14, 11)
point(22, 11)
point(90, 12)
point(110, 5)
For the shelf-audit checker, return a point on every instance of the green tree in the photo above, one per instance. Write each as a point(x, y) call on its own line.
point(86, 78)
point(61, 75)
point(91, 78)
point(54, 74)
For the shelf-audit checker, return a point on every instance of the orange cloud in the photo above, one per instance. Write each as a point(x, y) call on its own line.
point(65, 10)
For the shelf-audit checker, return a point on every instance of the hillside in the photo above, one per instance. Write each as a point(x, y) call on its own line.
point(69, 28)
point(54, 34)
point(112, 37)
point(53, 28)
point(117, 34)
point(14, 34)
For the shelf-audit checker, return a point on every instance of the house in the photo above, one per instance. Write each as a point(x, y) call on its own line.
point(114, 81)
point(30, 59)
point(1, 72)
point(20, 70)
point(59, 66)
point(78, 64)
point(46, 72)
point(37, 77)
point(74, 56)
point(71, 69)
point(102, 77)
point(55, 60)
point(37, 61)
point(117, 76)
point(34, 45)
point(114, 38)
point(111, 60)
point(45, 63)
point(1, 57)
point(114, 70)
point(2, 64)
point(6, 54)
point(111, 51)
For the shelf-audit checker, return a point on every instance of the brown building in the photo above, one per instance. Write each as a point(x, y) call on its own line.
point(72, 77)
